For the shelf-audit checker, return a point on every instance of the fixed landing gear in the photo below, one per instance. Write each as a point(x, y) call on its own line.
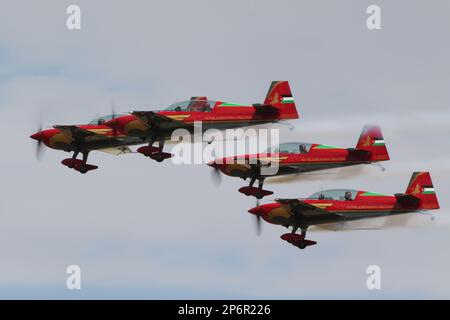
point(155, 153)
point(257, 192)
point(79, 165)
point(298, 240)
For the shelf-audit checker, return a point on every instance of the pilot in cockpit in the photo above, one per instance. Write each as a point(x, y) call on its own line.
point(303, 148)
point(348, 196)
point(101, 121)
point(199, 106)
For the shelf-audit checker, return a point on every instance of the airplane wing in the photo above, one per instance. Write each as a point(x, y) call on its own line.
point(304, 209)
point(77, 133)
point(249, 167)
point(154, 119)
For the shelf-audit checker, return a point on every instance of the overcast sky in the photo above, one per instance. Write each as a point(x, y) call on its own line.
point(141, 229)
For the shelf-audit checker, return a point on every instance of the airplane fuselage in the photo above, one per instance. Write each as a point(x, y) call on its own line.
point(130, 130)
point(366, 205)
point(319, 157)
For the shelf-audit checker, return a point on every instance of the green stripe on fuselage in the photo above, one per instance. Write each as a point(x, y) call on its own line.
point(229, 104)
point(324, 146)
point(372, 194)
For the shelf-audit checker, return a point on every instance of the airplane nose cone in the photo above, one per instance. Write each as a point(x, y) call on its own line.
point(37, 136)
point(255, 210)
point(212, 164)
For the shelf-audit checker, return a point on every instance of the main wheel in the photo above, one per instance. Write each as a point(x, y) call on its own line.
point(302, 245)
point(82, 169)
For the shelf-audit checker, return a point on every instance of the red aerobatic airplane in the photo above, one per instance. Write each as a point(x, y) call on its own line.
point(299, 157)
point(96, 135)
point(331, 206)
point(113, 133)
point(158, 126)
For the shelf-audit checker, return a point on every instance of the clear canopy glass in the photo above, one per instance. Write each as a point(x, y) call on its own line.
point(291, 147)
point(334, 194)
point(192, 106)
point(105, 118)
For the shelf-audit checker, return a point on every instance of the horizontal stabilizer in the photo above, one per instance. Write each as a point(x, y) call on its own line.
point(360, 153)
point(266, 109)
point(407, 198)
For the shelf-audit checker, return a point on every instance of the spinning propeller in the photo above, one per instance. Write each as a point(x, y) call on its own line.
point(38, 136)
point(216, 175)
point(258, 220)
point(257, 212)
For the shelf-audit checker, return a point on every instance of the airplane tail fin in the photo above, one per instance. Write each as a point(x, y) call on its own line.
point(421, 187)
point(371, 139)
point(280, 97)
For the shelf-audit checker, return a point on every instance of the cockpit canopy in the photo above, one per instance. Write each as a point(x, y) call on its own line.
point(291, 147)
point(192, 106)
point(103, 119)
point(334, 194)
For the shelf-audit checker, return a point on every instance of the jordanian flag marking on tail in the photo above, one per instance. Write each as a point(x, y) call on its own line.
point(378, 142)
point(428, 190)
point(287, 100)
